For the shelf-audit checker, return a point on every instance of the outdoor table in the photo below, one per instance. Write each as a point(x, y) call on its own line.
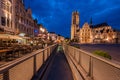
point(1, 48)
point(16, 51)
point(21, 49)
point(4, 51)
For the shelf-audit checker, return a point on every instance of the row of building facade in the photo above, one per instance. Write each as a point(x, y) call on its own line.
point(89, 33)
point(15, 19)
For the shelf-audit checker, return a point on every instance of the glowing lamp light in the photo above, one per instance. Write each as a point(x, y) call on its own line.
point(41, 29)
point(22, 34)
point(107, 39)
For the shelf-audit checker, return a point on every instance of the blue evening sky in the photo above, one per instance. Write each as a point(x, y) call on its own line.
point(55, 15)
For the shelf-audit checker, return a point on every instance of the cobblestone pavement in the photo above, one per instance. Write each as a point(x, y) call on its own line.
point(112, 49)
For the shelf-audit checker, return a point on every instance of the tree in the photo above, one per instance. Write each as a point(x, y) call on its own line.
point(102, 53)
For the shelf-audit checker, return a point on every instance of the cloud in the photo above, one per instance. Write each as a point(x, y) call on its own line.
point(55, 15)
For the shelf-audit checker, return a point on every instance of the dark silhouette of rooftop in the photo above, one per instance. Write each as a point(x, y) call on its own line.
point(99, 25)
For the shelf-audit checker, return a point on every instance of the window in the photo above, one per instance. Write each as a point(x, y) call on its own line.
point(3, 22)
point(8, 22)
point(3, 5)
point(7, 7)
point(10, 9)
point(78, 30)
point(74, 19)
point(83, 30)
point(11, 23)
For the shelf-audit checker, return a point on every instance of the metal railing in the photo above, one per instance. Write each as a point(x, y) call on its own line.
point(25, 67)
point(92, 67)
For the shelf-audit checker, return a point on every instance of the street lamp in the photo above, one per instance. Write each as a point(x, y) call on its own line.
point(42, 29)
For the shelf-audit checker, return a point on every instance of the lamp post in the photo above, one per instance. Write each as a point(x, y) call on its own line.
point(42, 30)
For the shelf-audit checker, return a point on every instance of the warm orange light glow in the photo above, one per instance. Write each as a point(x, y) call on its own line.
point(42, 29)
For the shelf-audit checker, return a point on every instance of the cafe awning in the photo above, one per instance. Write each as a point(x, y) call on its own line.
point(8, 36)
point(14, 37)
point(4, 36)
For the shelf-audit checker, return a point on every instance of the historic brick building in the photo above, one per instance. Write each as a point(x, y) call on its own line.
point(75, 25)
point(85, 34)
point(100, 33)
point(6, 16)
point(103, 33)
point(15, 19)
point(23, 19)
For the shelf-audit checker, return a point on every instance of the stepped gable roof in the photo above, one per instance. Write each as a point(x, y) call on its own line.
point(99, 25)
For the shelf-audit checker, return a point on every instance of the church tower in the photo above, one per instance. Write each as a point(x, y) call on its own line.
point(75, 25)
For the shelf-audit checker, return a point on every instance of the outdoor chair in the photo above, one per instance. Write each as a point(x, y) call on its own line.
point(9, 55)
point(16, 53)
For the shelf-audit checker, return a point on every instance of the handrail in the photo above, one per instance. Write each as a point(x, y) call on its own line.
point(92, 67)
point(99, 58)
point(19, 60)
point(9, 65)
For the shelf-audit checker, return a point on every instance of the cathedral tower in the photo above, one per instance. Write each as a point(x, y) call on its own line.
point(75, 25)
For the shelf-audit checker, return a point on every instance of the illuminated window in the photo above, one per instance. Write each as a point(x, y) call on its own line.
point(7, 7)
